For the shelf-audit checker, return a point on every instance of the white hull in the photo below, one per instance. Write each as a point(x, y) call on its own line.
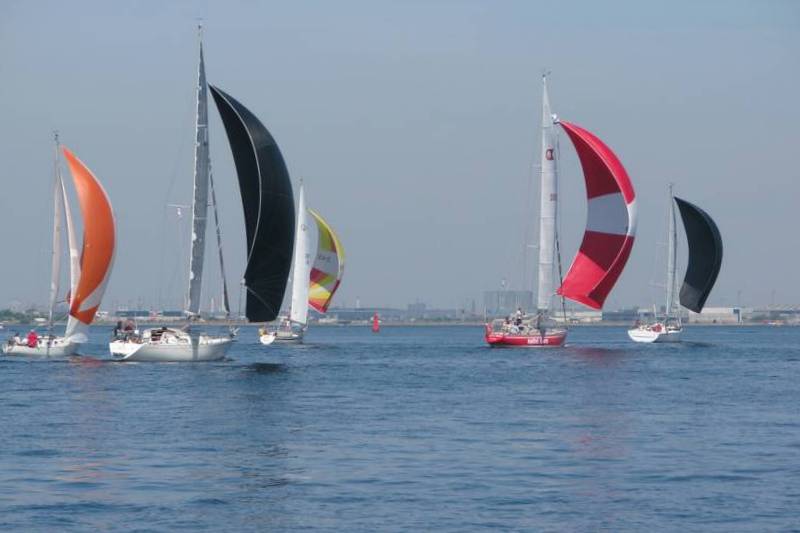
point(57, 347)
point(647, 334)
point(289, 336)
point(286, 332)
point(171, 346)
point(281, 337)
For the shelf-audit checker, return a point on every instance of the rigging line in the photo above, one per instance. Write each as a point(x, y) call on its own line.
point(177, 162)
point(654, 286)
point(560, 275)
point(527, 279)
point(225, 301)
point(557, 225)
point(239, 304)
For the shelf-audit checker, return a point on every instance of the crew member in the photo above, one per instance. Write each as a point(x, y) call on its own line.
point(33, 338)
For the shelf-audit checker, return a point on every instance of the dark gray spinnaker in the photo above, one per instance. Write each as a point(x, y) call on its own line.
point(705, 255)
point(268, 204)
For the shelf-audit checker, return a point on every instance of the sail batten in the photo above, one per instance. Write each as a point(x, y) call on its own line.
point(705, 255)
point(200, 196)
point(328, 268)
point(268, 204)
point(611, 222)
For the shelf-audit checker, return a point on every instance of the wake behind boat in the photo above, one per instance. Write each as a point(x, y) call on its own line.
point(90, 267)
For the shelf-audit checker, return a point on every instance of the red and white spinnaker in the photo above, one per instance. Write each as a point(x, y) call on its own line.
point(610, 224)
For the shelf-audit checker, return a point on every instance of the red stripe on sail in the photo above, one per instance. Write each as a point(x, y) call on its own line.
point(602, 169)
point(596, 268)
point(317, 275)
point(323, 308)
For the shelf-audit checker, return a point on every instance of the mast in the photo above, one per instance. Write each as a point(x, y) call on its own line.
point(302, 265)
point(672, 249)
point(547, 205)
point(58, 214)
point(201, 181)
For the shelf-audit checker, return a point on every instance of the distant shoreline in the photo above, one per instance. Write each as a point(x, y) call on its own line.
point(156, 323)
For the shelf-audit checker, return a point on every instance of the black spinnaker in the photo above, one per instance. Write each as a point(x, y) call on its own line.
point(268, 204)
point(705, 255)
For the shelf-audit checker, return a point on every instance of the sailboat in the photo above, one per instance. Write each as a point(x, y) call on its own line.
point(312, 284)
point(607, 240)
point(268, 206)
point(705, 261)
point(292, 328)
point(167, 344)
point(89, 268)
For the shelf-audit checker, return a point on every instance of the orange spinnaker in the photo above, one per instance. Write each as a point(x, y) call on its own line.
point(98, 240)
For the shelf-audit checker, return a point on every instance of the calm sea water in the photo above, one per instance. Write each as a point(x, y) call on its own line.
point(411, 429)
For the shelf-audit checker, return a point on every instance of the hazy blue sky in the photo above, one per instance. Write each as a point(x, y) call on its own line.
point(415, 128)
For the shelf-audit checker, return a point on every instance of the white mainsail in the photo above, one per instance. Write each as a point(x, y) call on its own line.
point(302, 265)
point(547, 206)
point(62, 209)
point(200, 200)
point(58, 215)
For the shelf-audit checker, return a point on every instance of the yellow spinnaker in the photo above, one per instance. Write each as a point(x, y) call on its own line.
point(328, 267)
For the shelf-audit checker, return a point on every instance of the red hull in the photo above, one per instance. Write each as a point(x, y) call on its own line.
point(549, 340)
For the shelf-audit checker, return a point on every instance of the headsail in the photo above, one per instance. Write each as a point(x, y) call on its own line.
point(610, 224)
point(268, 204)
point(98, 247)
point(200, 200)
point(326, 274)
point(302, 265)
point(705, 255)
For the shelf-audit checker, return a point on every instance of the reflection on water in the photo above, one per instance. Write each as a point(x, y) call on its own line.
point(267, 368)
point(597, 353)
